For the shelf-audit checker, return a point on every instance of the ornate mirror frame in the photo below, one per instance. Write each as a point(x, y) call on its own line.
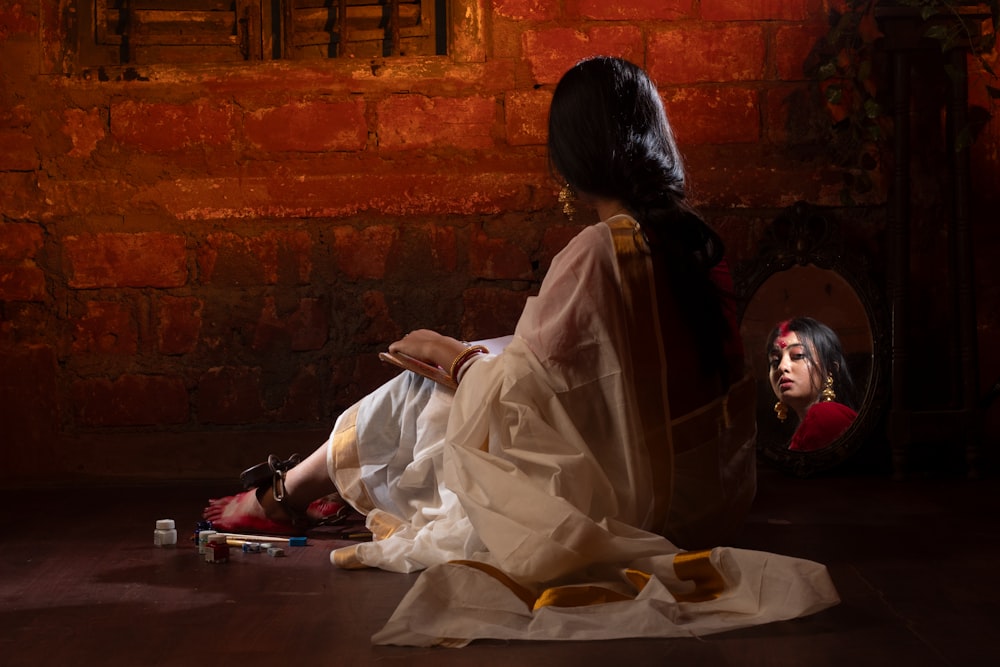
point(804, 235)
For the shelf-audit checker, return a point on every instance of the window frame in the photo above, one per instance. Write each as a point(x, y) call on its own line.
point(260, 30)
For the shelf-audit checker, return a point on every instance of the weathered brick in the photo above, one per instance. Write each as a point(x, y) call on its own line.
point(19, 241)
point(792, 47)
point(27, 322)
point(506, 38)
point(552, 51)
point(753, 176)
point(302, 402)
point(423, 251)
point(714, 53)
point(22, 282)
point(309, 326)
point(18, 18)
point(362, 253)
point(430, 246)
point(305, 329)
point(269, 258)
point(489, 313)
point(269, 329)
point(179, 324)
point(228, 258)
point(714, 115)
point(526, 115)
point(17, 151)
point(293, 262)
point(197, 197)
point(417, 121)
point(131, 400)
point(106, 328)
point(312, 127)
point(379, 328)
point(629, 10)
point(16, 116)
point(496, 258)
point(19, 195)
point(160, 126)
point(760, 10)
point(536, 10)
point(389, 189)
point(230, 395)
point(475, 189)
point(84, 129)
point(112, 259)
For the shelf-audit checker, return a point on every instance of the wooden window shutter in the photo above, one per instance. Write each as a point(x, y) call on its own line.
point(147, 32)
point(180, 31)
point(360, 28)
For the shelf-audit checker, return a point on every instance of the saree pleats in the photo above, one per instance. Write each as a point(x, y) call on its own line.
point(537, 495)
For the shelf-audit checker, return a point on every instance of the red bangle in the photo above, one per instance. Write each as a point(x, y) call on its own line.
point(463, 357)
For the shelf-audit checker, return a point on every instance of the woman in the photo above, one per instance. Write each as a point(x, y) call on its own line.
point(809, 375)
point(566, 458)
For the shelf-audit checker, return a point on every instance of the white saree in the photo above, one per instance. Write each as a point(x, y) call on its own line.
point(536, 497)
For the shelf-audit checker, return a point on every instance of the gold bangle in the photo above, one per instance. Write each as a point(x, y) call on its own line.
point(464, 356)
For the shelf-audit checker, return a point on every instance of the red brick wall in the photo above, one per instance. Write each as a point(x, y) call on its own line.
point(198, 265)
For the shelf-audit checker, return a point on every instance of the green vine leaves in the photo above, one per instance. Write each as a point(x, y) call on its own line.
point(848, 65)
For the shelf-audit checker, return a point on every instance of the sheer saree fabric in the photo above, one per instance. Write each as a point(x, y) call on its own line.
point(538, 494)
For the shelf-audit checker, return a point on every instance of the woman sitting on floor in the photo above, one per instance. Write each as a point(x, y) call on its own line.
point(564, 459)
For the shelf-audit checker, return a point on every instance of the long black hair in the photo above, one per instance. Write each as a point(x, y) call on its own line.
point(609, 137)
point(829, 358)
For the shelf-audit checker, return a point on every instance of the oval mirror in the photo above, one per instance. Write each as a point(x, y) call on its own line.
point(803, 270)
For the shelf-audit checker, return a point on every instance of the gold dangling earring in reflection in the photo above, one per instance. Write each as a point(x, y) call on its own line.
point(567, 198)
point(828, 394)
point(781, 410)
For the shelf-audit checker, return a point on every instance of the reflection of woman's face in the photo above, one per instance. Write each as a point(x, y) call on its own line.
point(795, 379)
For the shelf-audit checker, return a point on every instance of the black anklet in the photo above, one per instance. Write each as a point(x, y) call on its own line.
point(270, 475)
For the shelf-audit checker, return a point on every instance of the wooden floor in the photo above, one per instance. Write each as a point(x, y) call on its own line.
point(81, 583)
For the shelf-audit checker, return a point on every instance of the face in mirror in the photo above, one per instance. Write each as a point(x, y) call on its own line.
point(810, 378)
point(809, 343)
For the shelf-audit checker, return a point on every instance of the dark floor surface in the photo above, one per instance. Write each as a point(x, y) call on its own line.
point(915, 562)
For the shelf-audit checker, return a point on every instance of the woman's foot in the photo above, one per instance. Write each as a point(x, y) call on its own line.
point(244, 512)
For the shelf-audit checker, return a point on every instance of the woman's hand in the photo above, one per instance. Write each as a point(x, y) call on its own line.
point(430, 347)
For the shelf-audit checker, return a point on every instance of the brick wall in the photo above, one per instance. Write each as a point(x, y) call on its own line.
point(199, 265)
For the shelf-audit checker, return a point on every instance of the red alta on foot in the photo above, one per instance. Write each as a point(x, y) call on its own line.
point(243, 512)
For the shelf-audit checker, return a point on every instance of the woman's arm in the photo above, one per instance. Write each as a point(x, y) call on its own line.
point(430, 347)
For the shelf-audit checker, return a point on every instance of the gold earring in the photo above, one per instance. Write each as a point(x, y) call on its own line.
point(567, 198)
point(828, 394)
point(781, 410)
